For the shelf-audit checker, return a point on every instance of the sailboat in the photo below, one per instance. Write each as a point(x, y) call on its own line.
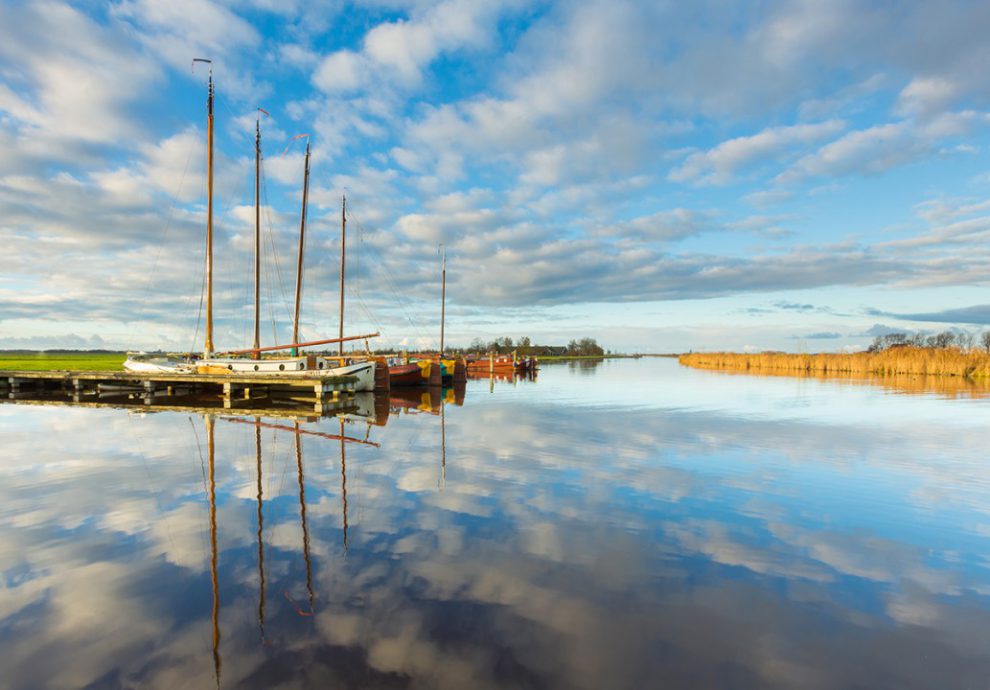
point(213, 362)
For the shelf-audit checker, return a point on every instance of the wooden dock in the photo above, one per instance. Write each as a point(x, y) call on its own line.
point(323, 393)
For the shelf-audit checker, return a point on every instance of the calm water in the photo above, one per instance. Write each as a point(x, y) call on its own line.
point(629, 525)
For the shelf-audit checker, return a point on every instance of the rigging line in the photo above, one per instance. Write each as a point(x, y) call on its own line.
point(387, 274)
point(202, 463)
point(271, 239)
point(199, 316)
point(168, 221)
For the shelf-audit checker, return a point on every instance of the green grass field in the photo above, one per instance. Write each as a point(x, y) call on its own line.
point(59, 361)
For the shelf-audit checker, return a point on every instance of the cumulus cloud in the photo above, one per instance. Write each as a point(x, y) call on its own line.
point(721, 163)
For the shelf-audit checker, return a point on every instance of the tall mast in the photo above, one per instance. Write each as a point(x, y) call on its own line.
point(343, 244)
point(443, 296)
point(302, 242)
point(257, 233)
point(208, 346)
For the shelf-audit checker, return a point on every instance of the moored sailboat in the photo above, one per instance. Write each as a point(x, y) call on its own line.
point(219, 363)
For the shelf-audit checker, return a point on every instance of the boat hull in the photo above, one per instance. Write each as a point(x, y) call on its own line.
point(405, 375)
point(292, 367)
point(156, 366)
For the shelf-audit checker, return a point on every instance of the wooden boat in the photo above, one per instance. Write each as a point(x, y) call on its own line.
point(141, 362)
point(500, 364)
point(295, 365)
point(405, 374)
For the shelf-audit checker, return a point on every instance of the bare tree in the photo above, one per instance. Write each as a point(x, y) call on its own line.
point(985, 340)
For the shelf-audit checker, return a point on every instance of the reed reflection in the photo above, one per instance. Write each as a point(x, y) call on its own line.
point(953, 387)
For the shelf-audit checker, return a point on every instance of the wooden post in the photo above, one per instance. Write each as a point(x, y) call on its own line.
point(491, 363)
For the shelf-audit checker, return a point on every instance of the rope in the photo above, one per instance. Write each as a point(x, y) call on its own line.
point(399, 299)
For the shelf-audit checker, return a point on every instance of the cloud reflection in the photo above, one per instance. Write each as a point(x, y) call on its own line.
point(574, 542)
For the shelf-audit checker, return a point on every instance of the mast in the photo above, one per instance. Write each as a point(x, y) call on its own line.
point(343, 242)
point(302, 242)
point(208, 346)
point(257, 233)
point(443, 296)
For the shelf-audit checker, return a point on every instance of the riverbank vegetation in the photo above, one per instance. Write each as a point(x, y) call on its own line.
point(524, 347)
point(944, 354)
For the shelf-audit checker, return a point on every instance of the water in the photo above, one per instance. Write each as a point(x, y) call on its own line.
point(628, 525)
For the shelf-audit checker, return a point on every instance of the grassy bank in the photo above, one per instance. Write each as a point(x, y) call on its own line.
point(918, 361)
point(62, 361)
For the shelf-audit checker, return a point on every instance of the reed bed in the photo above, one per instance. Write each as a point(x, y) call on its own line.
point(915, 361)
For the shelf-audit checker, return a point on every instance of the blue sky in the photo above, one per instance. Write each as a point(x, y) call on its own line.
point(659, 176)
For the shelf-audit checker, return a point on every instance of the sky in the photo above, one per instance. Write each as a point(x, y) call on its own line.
point(660, 176)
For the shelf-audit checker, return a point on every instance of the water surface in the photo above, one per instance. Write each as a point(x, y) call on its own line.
point(625, 525)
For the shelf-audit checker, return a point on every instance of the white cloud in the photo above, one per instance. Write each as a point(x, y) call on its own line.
point(876, 149)
point(720, 164)
point(341, 71)
point(926, 95)
point(71, 82)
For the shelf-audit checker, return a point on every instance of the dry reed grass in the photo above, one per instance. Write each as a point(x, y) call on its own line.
point(916, 361)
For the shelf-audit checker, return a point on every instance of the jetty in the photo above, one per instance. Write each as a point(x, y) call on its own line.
point(235, 390)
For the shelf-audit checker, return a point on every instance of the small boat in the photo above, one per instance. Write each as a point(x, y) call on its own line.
point(501, 364)
point(405, 374)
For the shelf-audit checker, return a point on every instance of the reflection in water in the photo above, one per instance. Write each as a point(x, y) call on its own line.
point(586, 367)
point(945, 386)
point(305, 527)
point(343, 481)
point(211, 457)
point(645, 526)
point(261, 526)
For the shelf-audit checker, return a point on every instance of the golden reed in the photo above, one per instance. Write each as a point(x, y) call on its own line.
point(918, 361)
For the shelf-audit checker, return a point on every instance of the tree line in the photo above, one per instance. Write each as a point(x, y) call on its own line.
point(939, 341)
point(584, 347)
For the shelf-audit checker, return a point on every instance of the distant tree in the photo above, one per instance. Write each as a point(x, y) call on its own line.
point(985, 340)
point(965, 340)
point(524, 345)
point(941, 340)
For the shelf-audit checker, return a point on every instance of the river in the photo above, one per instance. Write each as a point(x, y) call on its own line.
point(625, 524)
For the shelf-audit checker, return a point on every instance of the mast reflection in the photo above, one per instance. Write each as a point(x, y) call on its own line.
point(343, 481)
point(305, 526)
point(261, 542)
point(211, 455)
